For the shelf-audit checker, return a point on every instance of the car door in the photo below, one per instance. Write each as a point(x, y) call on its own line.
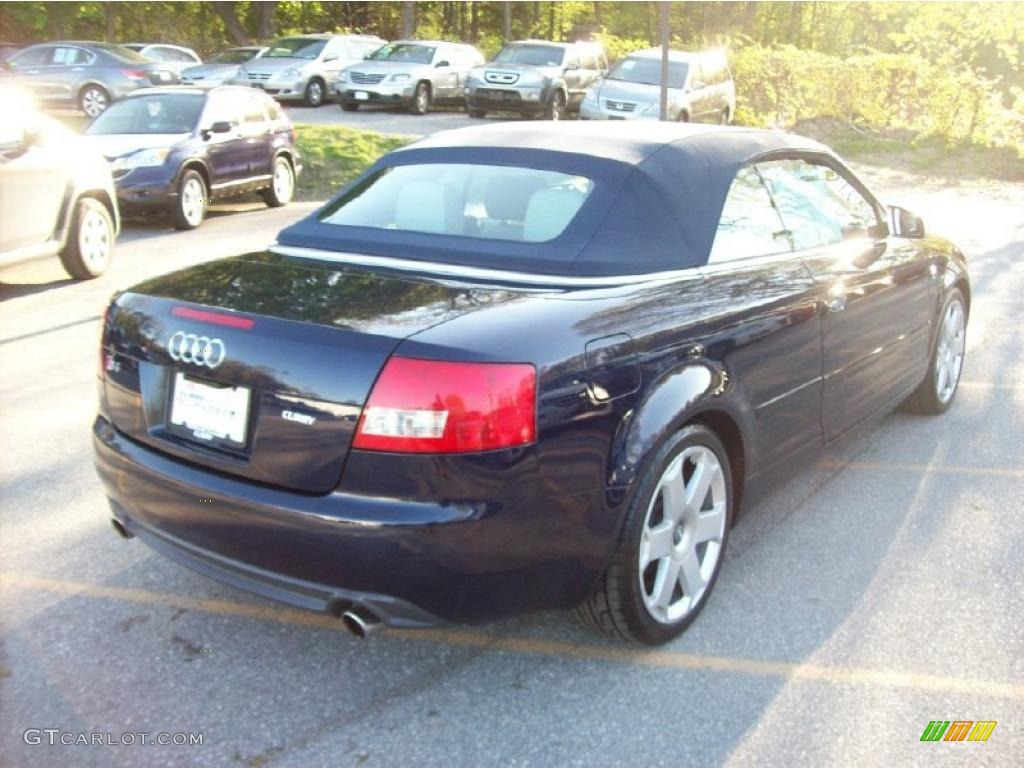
point(445, 77)
point(333, 58)
point(33, 183)
point(876, 292)
point(228, 157)
point(771, 344)
point(698, 92)
point(69, 68)
point(573, 77)
point(258, 134)
point(31, 67)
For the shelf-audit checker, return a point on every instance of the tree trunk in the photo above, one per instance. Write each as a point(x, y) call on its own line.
point(474, 22)
point(551, 20)
point(265, 19)
point(110, 17)
point(408, 19)
point(597, 15)
point(506, 21)
point(226, 10)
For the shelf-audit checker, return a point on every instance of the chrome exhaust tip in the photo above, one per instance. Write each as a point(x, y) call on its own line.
point(360, 622)
point(123, 532)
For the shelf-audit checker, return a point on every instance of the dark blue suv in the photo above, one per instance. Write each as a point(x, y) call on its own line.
point(175, 149)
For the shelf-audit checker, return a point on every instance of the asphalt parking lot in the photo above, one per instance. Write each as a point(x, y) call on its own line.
point(871, 593)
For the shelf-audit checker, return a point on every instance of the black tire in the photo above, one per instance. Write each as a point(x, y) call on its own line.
point(476, 114)
point(616, 607)
point(350, 106)
point(93, 100)
point(183, 215)
point(420, 99)
point(83, 256)
point(277, 195)
point(926, 399)
point(555, 110)
point(315, 92)
point(684, 117)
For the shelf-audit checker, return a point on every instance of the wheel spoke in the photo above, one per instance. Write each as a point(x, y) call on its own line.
point(656, 544)
point(700, 482)
point(709, 524)
point(690, 577)
point(673, 492)
point(665, 583)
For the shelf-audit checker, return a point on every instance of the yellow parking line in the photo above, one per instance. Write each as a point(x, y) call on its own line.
point(785, 670)
point(885, 466)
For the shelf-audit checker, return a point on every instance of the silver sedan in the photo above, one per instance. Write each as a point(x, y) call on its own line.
point(411, 73)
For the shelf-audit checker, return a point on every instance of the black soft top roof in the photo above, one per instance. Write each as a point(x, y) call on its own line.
point(655, 207)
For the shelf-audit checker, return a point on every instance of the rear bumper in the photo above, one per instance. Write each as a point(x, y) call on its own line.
point(413, 563)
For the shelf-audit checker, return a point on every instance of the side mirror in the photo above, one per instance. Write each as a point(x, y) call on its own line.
point(221, 126)
point(903, 223)
point(330, 57)
point(443, 63)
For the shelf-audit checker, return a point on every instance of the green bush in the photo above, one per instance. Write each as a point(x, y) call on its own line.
point(782, 85)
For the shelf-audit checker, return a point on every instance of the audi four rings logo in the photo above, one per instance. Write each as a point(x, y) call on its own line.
point(198, 350)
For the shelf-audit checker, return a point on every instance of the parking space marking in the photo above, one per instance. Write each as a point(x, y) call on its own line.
point(783, 670)
point(885, 466)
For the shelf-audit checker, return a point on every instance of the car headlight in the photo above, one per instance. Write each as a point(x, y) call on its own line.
point(292, 72)
point(590, 96)
point(144, 158)
point(475, 75)
point(399, 78)
point(343, 77)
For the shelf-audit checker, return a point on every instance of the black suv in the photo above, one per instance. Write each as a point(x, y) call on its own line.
point(535, 77)
point(175, 149)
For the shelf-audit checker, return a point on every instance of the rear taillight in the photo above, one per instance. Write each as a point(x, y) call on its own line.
point(434, 406)
point(135, 74)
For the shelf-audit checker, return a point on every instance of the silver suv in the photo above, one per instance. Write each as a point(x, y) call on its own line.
point(414, 73)
point(534, 77)
point(700, 88)
point(305, 67)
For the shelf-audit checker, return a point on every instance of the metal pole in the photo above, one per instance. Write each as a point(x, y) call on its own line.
point(663, 24)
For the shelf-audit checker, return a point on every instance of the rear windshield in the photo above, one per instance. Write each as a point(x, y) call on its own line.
point(648, 72)
point(123, 53)
point(295, 48)
point(483, 201)
point(153, 113)
point(531, 55)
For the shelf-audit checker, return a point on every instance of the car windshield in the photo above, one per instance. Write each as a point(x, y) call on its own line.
point(648, 72)
point(152, 113)
point(236, 56)
point(416, 54)
point(463, 199)
point(123, 53)
point(531, 55)
point(295, 48)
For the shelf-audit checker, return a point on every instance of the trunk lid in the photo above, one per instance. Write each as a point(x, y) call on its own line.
point(280, 354)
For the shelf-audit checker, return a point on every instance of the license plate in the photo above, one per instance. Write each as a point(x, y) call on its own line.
point(362, 96)
point(163, 75)
point(210, 412)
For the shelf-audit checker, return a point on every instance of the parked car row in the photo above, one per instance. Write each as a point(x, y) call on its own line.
point(170, 151)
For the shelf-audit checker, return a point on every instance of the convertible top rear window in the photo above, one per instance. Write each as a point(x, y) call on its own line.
point(490, 202)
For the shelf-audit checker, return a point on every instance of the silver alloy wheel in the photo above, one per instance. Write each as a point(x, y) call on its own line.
point(192, 201)
point(949, 353)
point(556, 107)
point(315, 92)
point(683, 531)
point(94, 101)
point(421, 98)
point(95, 240)
point(284, 185)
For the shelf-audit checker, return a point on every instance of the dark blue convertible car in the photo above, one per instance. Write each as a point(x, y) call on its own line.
point(514, 368)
